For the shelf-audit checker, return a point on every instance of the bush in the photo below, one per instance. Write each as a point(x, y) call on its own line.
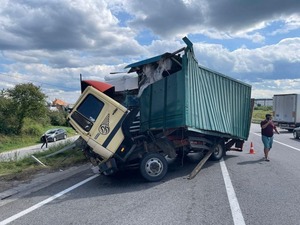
point(263, 108)
point(259, 115)
point(34, 130)
point(32, 127)
point(58, 118)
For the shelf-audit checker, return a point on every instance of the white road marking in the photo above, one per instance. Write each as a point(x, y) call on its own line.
point(280, 143)
point(40, 204)
point(236, 212)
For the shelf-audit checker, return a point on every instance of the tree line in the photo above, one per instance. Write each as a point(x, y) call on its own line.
point(24, 110)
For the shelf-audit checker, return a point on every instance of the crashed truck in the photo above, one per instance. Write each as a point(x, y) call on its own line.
point(176, 108)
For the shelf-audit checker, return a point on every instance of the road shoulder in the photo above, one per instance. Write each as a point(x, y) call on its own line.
point(10, 190)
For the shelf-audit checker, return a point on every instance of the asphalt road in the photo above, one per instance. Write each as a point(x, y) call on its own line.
point(242, 189)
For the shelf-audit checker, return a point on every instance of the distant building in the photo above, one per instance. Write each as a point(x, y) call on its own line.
point(59, 105)
point(263, 102)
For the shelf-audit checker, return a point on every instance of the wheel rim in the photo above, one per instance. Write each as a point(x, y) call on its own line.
point(295, 135)
point(154, 167)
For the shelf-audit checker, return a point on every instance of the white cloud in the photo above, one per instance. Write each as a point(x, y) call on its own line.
point(268, 88)
point(268, 62)
point(291, 23)
point(64, 25)
point(52, 42)
point(219, 19)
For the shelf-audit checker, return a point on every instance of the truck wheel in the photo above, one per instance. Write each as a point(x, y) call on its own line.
point(217, 153)
point(153, 167)
point(296, 136)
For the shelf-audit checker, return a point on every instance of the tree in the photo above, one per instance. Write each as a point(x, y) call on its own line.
point(6, 113)
point(28, 102)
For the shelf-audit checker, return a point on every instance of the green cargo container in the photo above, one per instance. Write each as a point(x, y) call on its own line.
point(197, 99)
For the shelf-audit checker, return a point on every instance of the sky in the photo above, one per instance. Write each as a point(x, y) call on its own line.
point(51, 42)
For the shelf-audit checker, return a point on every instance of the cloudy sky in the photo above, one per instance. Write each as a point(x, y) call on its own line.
point(50, 43)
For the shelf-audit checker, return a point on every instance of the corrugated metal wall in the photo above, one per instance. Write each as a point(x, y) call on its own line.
point(200, 99)
point(215, 102)
point(162, 103)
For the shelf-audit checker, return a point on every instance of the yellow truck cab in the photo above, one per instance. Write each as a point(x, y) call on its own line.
point(99, 119)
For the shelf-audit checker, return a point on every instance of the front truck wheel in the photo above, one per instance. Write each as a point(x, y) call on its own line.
point(218, 152)
point(153, 167)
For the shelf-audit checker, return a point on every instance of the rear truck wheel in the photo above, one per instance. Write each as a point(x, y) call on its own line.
point(218, 152)
point(296, 136)
point(153, 167)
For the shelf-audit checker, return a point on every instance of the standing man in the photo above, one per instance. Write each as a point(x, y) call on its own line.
point(267, 127)
point(45, 141)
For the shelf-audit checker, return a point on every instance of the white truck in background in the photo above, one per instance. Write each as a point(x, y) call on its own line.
point(286, 111)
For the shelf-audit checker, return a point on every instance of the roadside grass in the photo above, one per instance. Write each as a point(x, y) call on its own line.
point(259, 115)
point(25, 168)
point(8, 143)
point(13, 142)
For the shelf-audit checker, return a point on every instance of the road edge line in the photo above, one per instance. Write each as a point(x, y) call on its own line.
point(50, 199)
point(236, 212)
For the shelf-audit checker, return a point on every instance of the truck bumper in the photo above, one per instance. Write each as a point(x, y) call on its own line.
point(287, 126)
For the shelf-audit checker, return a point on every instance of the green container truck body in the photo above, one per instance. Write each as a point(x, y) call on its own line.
point(199, 100)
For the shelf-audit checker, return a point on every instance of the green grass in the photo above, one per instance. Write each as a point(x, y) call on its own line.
point(8, 143)
point(25, 168)
point(259, 115)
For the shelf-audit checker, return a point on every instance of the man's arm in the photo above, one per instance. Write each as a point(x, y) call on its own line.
point(275, 128)
point(265, 125)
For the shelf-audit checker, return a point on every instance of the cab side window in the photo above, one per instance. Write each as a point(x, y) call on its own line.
point(90, 108)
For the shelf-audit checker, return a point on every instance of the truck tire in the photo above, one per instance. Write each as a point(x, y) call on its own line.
point(296, 136)
point(153, 167)
point(218, 152)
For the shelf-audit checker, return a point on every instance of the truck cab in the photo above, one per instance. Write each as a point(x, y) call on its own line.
point(98, 119)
